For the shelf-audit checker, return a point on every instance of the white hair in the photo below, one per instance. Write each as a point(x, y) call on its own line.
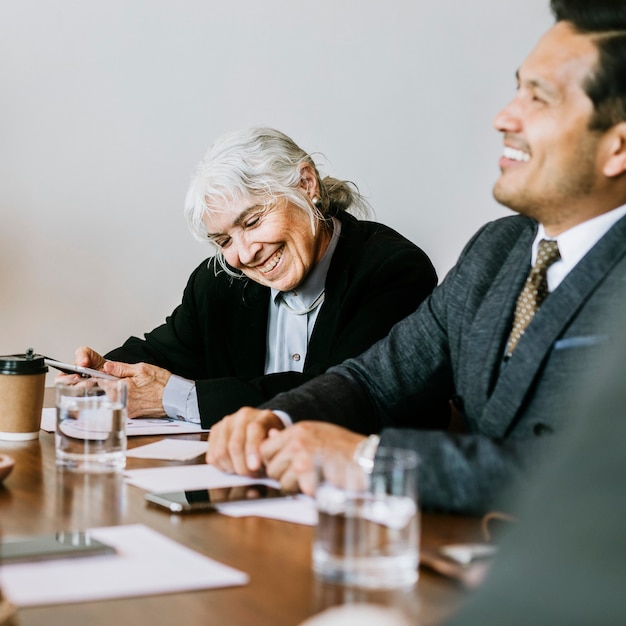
point(259, 163)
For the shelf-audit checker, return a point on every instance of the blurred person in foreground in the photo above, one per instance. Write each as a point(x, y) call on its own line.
point(508, 334)
point(297, 285)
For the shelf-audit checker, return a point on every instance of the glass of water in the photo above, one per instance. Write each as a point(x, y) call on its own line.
point(91, 424)
point(368, 527)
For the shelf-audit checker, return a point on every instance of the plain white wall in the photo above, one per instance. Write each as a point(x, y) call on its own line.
point(106, 107)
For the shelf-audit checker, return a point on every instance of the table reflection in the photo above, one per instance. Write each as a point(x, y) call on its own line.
point(86, 500)
point(326, 595)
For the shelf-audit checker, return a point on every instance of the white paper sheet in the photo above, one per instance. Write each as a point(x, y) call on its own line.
point(146, 563)
point(170, 450)
point(298, 510)
point(188, 477)
point(137, 426)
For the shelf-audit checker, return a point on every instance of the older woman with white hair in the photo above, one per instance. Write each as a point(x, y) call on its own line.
point(297, 284)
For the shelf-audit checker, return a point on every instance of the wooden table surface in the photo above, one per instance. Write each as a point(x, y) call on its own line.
point(37, 497)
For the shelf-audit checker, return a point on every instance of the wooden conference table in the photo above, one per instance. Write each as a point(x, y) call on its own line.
point(37, 497)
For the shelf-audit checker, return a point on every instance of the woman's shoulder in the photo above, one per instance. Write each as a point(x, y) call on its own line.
point(372, 246)
point(374, 237)
point(367, 229)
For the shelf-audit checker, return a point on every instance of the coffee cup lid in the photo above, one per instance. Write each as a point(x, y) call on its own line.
point(27, 363)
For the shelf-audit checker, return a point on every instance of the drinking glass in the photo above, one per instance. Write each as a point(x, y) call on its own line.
point(91, 425)
point(368, 528)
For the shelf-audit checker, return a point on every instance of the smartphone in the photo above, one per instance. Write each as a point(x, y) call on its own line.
point(70, 368)
point(208, 499)
point(52, 546)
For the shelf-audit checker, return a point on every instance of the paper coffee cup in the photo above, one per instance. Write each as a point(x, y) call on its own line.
point(22, 386)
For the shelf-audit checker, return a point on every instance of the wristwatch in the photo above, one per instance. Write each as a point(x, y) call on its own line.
point(366, 451)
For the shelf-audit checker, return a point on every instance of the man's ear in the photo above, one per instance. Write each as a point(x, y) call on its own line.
point(615, 163)
point(308, 180)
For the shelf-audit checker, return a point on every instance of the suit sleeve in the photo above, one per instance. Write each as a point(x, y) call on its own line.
point(468, 474)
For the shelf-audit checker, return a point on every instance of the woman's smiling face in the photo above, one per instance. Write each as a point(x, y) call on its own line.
point(271, 242)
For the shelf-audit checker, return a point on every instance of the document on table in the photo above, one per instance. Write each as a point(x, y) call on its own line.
point(146, 563)
point(137, 426)
point(170, 450)
point(300, 509)
point(188, 477)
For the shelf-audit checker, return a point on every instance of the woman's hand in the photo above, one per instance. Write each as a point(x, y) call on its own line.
point(145, 386)
point(87, 357)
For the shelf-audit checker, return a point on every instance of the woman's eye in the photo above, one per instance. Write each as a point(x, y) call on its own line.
point(253, 221)
point(222, 242)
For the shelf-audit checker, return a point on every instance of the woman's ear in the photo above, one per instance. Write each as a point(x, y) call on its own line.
point(308, 180)
point(615, 163)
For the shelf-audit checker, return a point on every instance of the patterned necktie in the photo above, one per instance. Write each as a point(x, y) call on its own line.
point(534, 292)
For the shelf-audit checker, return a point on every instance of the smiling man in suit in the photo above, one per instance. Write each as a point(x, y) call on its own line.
point(504, 345)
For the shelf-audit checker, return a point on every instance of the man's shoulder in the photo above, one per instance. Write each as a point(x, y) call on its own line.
point(494, 243)
point(498, 237)
point(509, 226)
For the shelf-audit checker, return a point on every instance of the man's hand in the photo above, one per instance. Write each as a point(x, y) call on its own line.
point(145, 386)
point(289, 456)
point(234, 441)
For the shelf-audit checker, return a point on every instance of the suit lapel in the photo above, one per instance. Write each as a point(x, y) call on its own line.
point(556, 313)
point(482, 345)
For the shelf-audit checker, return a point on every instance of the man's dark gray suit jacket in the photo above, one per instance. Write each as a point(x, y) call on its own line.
point(563, 563)
point(218, 335)
point(452, 348)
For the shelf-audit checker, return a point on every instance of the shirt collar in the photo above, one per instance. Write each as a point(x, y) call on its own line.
point(575, 242)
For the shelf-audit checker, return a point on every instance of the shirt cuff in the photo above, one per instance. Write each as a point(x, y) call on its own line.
point(180, 399)
point(283, 417)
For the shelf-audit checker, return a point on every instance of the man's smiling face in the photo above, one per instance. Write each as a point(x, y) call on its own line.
point(550, 158)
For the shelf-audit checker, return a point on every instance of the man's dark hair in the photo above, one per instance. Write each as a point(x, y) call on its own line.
point(605, 22)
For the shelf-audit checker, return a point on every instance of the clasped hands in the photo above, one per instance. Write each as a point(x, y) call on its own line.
point(255, 441)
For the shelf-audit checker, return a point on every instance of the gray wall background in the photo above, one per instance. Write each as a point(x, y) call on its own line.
point(106, 107)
